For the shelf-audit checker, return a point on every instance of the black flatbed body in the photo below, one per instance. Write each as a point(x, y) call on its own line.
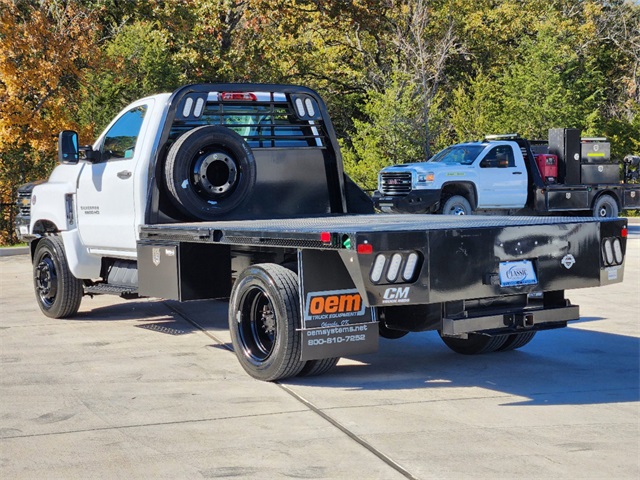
point(305, 232)
point(460, 257)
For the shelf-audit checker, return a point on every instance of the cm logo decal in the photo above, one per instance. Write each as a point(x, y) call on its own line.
point(333, 304)
point(396, 295)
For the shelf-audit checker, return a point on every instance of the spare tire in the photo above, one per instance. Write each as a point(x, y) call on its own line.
point(209, 172)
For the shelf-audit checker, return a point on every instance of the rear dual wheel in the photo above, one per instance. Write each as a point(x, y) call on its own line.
point(605, 207)
point(476, 344)
point(264, 322)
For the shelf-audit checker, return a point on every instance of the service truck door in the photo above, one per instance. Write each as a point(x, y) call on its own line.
point(106, 207)
point(502, 183)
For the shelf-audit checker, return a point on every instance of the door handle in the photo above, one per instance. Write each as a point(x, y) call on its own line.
point(516, 173)
point(124, 174)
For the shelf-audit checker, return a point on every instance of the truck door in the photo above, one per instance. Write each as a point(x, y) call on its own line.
point(502, 182)
point(106, 206)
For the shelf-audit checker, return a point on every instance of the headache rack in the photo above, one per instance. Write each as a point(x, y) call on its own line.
point(263, 119)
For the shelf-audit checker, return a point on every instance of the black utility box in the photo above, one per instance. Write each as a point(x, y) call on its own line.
point(595, 150)
point(594, 173)
point(565, 143)
point(568, 199)
point(184, 271)
point(631, 199)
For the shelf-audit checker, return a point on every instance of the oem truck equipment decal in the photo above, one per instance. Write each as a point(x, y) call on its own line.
point(333, 305)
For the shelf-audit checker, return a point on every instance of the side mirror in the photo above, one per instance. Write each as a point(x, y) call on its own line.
point(68, 147)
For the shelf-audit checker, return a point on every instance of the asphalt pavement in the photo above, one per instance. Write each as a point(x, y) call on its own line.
point(150, 389)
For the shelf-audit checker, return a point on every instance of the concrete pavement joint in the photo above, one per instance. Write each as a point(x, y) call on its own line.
point(159, 424)
point(386, 459)
point(362, 442)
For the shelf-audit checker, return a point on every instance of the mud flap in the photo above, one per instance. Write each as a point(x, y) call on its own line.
point(335, 320)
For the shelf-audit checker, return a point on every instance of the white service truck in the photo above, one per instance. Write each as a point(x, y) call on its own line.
point(236, 191)
point(507, 174)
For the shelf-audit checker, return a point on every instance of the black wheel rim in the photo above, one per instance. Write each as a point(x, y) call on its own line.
point(257, 324)
point(46, 280)
point(215, 175)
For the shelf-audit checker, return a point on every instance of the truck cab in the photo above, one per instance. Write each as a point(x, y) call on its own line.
point(104, 193)
point(277, 158)
point(458, 180)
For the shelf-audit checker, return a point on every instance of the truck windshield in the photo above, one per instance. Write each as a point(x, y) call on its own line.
point(458, 154)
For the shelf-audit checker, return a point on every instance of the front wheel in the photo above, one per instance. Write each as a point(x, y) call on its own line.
point(457, 205)
point(264, 318)
point(58, 292)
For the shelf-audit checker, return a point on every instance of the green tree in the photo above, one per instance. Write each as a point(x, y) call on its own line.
point(137, 62)
point(391, 134)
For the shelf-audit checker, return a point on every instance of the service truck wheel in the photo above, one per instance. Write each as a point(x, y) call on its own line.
point(58, 292)
point(475, 344)
point(604, 207)
point(457, 205)
point(318, 367)
point(516, 340)
point(264, 315)
point(209, 172)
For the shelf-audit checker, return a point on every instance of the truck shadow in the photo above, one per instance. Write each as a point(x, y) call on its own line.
point(560, 367)
point(563, 367)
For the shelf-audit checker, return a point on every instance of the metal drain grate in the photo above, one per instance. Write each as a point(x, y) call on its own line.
point(162, 328)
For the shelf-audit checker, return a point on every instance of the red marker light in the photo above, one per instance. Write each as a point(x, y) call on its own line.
point(325, 237)
point(624, 233)
point(241, 96)
point(365, 248)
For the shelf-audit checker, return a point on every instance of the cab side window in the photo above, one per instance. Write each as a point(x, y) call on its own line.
point(120, 140)
point(499, 157)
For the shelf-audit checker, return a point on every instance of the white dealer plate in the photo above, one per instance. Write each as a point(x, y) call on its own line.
point(515, 274)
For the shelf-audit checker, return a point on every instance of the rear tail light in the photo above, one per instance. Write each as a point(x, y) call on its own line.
point(617, 251)
point(612, 253)
point(364, 248)
point(238, 96)
point(400, 267)
point(410, 267)
point(394, 267)
point(378, 268)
